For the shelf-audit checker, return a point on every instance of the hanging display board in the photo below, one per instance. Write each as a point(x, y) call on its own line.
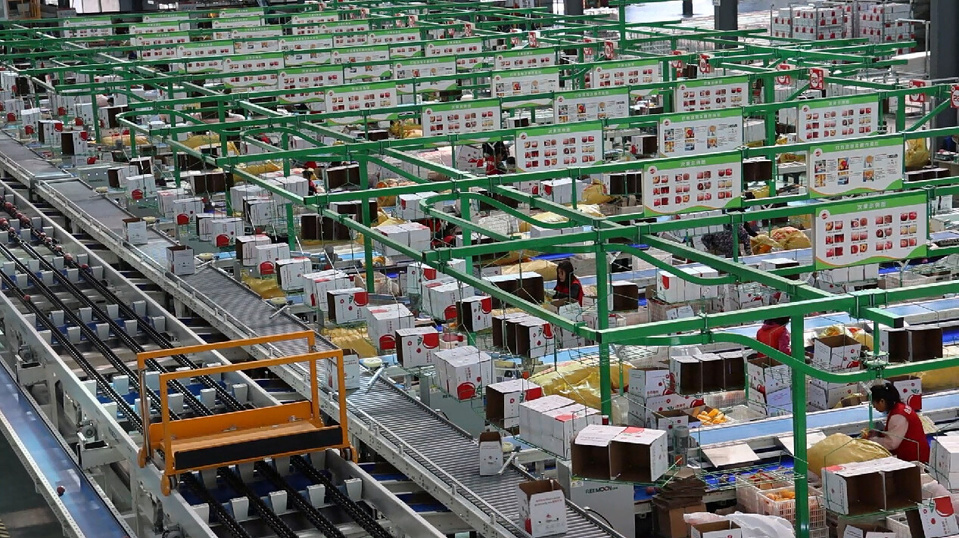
point(408, 50)
point(673, 186)
point(559, 147)
point(458, 47)
point(357, 73)
point(342, 27)
point(838, 118)
point(199, 52)
point(312, 79)
point(461, 118)
point(223, 27)
point(264, 39)
point(525, 82)
point(524, 59)
point(170, 40)
point(239, 12)
point(712, 94)
point(158, 27)
point(866, 231)
point(92, 27)
point(590, 105)
point(361, 98)
point(855, 167)
point(252, 71)
point(625, 73)
point(311, 20)
point(307, 50)
point(390, 37)
point(425, 67)
point(700, 132)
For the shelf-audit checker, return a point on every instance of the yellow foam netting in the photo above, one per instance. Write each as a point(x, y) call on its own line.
point(355, 338)
point(763, 244)
point(580, 381)
point(552, 218)
point(936, 380)
point(125, 140)
point(265, 287)
point(544, 268)
point(261, 168)
point(839, 448)
point(406, 129)
point(788, 157)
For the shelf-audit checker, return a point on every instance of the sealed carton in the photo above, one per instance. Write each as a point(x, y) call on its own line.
point(415, 346)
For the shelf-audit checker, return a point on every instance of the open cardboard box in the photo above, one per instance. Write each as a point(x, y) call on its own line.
point(638, 455)
point(590, 451)
point(542, 507)
point(716, 529)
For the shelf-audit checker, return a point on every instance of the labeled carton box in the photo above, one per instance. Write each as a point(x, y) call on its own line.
point(773, 404)
point(289, 273)
point(836, 352)
point(503, 400)
point(382, 322)
point(944, 459)
point(687, 374)
point(245, 247)
point(418, 274)
point(442, 299)
point(872, 486)
point(590, 451)
point(351, 372)
point(534, 338)
point(910, 390)
point(315, 286)
point(531, 419)
point(542, 508)
point(135, 231)
point(717, 529)
point(490, 453)
point(638, 455)
point(936, 517)
point(822, 398)
point(224, 230)
point(768, 375)
point(861, 530)
point(463, 371)
point(565, 423)
point(713, 372)
point(180, 260)
point(646, 382)
point(475, 313)
point(346, 305)
point(415, 346)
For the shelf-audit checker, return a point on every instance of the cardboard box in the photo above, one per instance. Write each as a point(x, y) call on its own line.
point(415, 346)
point(565, 423)
point(245, 245)
point(180, 260)
point(418, 274)
point(185, 209)
point(270, 254)
point(289, 273)
point(382, 322)
point(531, 416)
point(687, 374)
point(861, 530)
point(646, 382)
point(774, 404)
point(463, 371)
point(836, 352)
point(490, 453)
point(668, 420)
point(351, 372)
point(935, 517)
point(910, 390)
point(638, 455)
point(534, 338)
point(925, 343)
point(713, 373)
point(872, 486)
point(542, 508)
point(822, 398)
point(768, 375)
point(224, 230)
point(944, 459)
point(475, 313)
point(503, 400)
point(441, 304)
point(590, 451)
point(670, 521)
point(718, 529)
point(135, 231)
point(346, 305)
point(315, 286)
point(670, 288)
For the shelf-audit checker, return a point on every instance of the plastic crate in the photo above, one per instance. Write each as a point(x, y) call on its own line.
point(819, 533)
point(898, 526)
point(786, 509)
point(748, 492)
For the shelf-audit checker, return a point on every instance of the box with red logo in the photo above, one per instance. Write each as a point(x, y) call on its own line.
point(910, 390)
point(534, 338)
point(503, 400)
point(836, 352)
point(590, 451)
point(531, 421)
point(442, 297)
point(418, 274)
point(563, 424)
point(223, 230)
point(646, 382)
point(382, 322)
point(542, 507)
point(936, 517)
point(185, 209)
point(290, 271)
point(768, 375)
point(475, 313)
point(346, 305)
point(269, 254)
point(415, 346)
point(316, 285)
point(561, 190)
point(245, 247)
point(351, 372)
point(463, 371)
point(638, 455)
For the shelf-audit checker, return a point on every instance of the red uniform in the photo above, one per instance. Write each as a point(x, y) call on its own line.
point(774, 336)
point(915, 445)
point(574, 291)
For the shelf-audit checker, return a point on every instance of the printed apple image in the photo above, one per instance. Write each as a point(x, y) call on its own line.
point(903, 217)
point(913, 215)
point(466, 391)
point(878, 233)
point(854, 249)
point(888, 245)
point(862, 248)
point(880, 246)
point(838, 225)
point(878, 221)
point(361, 298)
point(387, 342)
point(913, 241)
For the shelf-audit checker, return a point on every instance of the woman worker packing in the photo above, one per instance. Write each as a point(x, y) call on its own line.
point(567, 285)
point(903, 436)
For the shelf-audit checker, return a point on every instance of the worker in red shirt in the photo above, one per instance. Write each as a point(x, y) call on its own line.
point(567, 285)
point(774, 334)
point(903, 435)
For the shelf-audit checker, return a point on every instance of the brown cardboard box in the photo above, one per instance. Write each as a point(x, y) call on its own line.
point(734, 370)
point(625, 296)
point(500, 329)
point(670, 522)
point(903, 487)
point(590, 451)
point(687, 374)
point(716, 529)
point(925, 342)
point(713, 379)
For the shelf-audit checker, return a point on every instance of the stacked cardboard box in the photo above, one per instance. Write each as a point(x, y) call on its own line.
point(523, 335)
point(944, 460)
point(871, 486)
point(419, 274)
point(770, 387)
point(881, 23)
point(835, 354)
point(382, 322)
point(617, 453)
point(316, 285)
point(462, 372)
point(415, 347)
point(707, 372)
point(682, 495)
point(673, 289)
point(504, 398)
point(439, 298)
point(813, 23)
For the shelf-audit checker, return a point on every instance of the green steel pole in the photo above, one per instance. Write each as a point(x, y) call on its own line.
point(465, 210)
point(602, 313)
point(800, 462)
point(290, 227)
point(365, 215)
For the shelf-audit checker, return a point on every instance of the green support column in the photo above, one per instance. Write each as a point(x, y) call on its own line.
point(465, 211)
point(800, 459)
point(290, 227)
point(365, 215)
point(96, 117)
point(602, 312)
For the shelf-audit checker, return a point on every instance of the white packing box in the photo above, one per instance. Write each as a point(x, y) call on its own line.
point(297, 185)
point(270, 253)
point(504, 398)
point(464, 371)
point(351, 372)
point(442, 299)
point(542, 507)
point(184, 208)
point(317, 284)
point(475, 313)
point(836, 352)
point(180, 260)
point(395, 233)
point(165, 199)
point(864, 531)
point(490, 453)
point(938, 517)
point(246, 247)
point(224, 230)
point(290, 271)
point(823, 398)
point(408, 205)
point(716, 529)
point(418, 274)
point(567, 422)
point(143, 186)
point(944, 459)
point(560, 190)
point(771, 404)
point(646, 382)
point(590, 451)
point(382, 322)
point(670, 288)
point(135, 231)
point(415, 346)
point(239, 193)
point(203, 226)
point(534, 338)
point(638, 455)
point(346, 305)
point(420, 236)
point(768, 375)
point(260, 211)
point(530, 415)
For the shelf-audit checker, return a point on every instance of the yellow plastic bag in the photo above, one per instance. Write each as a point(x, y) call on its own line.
point(763, 244)
point(594, 195)
point(552, 218)
point(790, 238)
point(580, 381)
point(839, 448)
point(917, 154)
point(355, 338)
point(261, 168)
point(544, 268)
point(389, 201)
point(936, 380)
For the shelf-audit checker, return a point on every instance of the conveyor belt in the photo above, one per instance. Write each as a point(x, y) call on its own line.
point(448, 451)
point(86, 510)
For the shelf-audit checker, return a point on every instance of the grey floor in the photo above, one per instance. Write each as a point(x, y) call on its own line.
point(23, 511)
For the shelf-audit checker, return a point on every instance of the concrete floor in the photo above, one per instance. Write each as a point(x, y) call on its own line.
point(23, 511)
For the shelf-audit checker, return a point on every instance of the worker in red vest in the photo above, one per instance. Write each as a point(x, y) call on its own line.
point(904, 435)
point(774, 334)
